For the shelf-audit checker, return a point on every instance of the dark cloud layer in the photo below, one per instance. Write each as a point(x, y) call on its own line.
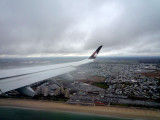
point(38, 27)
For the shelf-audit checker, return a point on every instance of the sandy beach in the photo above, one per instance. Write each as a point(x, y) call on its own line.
point(100, 110)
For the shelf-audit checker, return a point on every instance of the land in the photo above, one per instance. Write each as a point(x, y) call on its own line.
point(99, 110)
point(122, 82)
point(117, 87)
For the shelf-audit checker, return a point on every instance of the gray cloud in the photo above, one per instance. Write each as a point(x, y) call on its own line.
point(78, 27)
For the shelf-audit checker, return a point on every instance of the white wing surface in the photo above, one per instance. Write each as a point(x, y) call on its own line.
point(18, 78)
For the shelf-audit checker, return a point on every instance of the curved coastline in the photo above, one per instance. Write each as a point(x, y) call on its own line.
point(92, 110)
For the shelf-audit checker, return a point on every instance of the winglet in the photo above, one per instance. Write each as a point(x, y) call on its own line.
point(93, 56)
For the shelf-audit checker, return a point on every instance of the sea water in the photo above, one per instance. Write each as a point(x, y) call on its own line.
point(11, 113)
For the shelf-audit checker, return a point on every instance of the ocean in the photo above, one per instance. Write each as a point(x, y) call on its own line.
point(8, 113)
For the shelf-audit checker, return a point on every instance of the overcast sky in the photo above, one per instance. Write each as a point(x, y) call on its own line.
point(78, 27)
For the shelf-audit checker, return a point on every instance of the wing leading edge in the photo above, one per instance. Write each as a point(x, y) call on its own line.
point(18, 78)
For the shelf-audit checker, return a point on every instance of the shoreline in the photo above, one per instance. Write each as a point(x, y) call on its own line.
point(80, 113)
point(119, 112)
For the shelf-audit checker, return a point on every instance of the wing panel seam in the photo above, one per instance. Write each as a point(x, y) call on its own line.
point(33, 73)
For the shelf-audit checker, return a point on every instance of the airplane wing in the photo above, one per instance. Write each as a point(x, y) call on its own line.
point(21, 78)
